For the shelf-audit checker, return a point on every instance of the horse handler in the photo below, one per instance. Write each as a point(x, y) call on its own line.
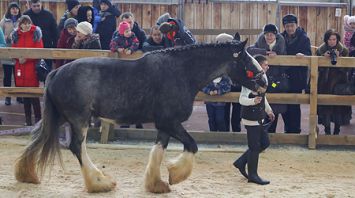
point(254, 107)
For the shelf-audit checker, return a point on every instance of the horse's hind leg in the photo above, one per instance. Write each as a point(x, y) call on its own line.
point(180, 168)
point(95, 180)
point(153, 182)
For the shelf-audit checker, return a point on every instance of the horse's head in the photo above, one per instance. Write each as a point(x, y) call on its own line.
point(245, 70)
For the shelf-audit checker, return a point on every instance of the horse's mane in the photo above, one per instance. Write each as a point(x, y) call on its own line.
point(190, 47)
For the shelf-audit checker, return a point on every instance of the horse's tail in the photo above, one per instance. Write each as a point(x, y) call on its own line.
point(44, 146)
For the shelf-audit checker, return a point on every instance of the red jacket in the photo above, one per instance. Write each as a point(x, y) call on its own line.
point(25, 74)
point(66, 41)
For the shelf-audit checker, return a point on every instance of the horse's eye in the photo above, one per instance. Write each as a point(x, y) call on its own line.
point(250, 74)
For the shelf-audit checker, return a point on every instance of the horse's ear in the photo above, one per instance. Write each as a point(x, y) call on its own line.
point(236, 36)
point(243, 44)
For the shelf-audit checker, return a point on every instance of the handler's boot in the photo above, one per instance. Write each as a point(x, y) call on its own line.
point(253, 160)
point(241, 162)
point(327, 130)
point(336, 129)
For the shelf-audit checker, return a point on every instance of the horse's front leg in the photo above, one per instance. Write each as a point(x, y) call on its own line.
point(153, 182)
point(180, 168)
point(95, 180)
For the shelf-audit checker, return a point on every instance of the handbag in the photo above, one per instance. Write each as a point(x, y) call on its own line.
point(41, 70)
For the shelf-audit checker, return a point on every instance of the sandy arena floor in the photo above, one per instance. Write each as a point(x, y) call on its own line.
point(293, 171)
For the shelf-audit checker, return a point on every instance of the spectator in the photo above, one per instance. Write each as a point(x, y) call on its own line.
point(297, 43)
point(85, 13)
point(349, 29)
point(254, 109)
point(85, 39)
point(66, 38)
point(216, 110)
point(328, 79)
point(96, 14)
point(107, 25)
point(124, 40)
point(139, 32)
point(233, 119)
point(27, 36)
point(155, 40)
point(274, 44)
point(8, 24)
point(71, 12)
point(46, 21)
point(175, 31)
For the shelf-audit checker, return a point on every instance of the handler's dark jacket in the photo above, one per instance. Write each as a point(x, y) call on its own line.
point(298, 43)
point(254, 112)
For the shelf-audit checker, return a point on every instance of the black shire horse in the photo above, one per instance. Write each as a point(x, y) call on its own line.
point(159, 87)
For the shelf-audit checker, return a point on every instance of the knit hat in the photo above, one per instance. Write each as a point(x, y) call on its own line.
point(270, 28)
point(84, 28)
point(70, 22)
point(71, 4)
point(223, 38)
point(351, 19)
point(123, 27)
point(163, 18)
point(107, 2)
point(14, 5)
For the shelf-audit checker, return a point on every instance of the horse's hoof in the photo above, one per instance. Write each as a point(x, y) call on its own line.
point(180, 168)
point(158, 187)
point(100, 183)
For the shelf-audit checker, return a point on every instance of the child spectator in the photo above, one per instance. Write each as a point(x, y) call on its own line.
point(124, 40)
point(349, 29)
point(84, 38)
point(138, 31)
point(66, 38)
point(155, 40)
point(216, 110)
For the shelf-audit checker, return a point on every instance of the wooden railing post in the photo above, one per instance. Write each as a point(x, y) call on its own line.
point(313, 103)
point(106, 128)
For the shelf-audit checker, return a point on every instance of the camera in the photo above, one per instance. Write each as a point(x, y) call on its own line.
point(333, 56)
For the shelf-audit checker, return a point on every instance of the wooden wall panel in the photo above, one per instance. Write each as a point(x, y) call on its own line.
point(198, 20)
point(245, 19)
point(312, 24)
point(147, 21)
point(321, 25)
point(207, 20)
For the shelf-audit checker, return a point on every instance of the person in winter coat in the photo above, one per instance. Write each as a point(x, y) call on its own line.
point(96, 14)
point(124, 40)
point(175, 31)
point(155, 40)
point(86, 13)
point(107, 25)
point(328, 79)
point(8, 24)
point(274, 44)
point(255, 107)
point(298, 44)
point(84, 38)
point(66, 39)
point(216, 110)
point(71, 12)
point(45, 20)
point(27, 36)
point(349, 29)
point(139, 32)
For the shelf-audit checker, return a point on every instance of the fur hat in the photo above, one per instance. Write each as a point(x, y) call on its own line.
point(123, 26)
point(14, 5)
point(107, 2)
point(71, 4)
point(223, 38)
point(70, 22)
point(270, 28)
point(351, 19)
point(84, 28)
point(163, 18)
point(290, 18)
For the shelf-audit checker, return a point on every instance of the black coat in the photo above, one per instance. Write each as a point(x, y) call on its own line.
point(46, 21)
point(140, 34)
point(300, 43)
point(106, 28)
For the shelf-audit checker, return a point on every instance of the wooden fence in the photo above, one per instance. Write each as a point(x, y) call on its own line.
point(312, 62)
point(222, 16)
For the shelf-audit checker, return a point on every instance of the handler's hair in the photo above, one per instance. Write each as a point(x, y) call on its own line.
point(126, 15)
point(260, 58)
point(329, 33)
point(154, 27)
point(35, 1)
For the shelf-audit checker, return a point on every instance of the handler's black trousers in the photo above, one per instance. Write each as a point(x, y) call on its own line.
point(258, 138)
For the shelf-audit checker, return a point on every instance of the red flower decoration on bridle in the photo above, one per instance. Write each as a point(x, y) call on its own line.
point(250, 74)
